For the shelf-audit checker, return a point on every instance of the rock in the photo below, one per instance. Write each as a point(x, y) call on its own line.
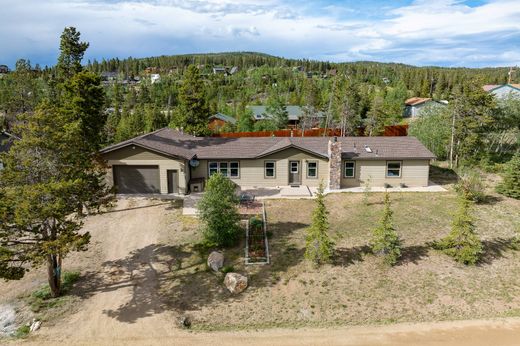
point(216, 260)
point(235, 282)
point(7, 320)
point(185, 322)
point(35, 326)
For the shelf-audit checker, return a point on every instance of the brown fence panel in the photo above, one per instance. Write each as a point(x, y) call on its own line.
point(396, 130)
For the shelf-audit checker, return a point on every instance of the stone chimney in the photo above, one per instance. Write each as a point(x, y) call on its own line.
point(334, 152)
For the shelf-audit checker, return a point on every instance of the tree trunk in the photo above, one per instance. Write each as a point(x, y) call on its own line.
point(54, 274)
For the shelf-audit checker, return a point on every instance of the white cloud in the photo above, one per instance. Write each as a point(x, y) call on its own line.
point(425, 32)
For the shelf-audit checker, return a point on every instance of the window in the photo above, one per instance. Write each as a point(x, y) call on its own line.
point(213, 168)
point(350, 169)
point(224, 169)
point(270, 169)
point(312, 169)
point(294, 166)
point(234, 169)
point(227, 169)
point(393, 169)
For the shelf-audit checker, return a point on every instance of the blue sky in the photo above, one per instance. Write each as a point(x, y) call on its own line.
point(470, 33)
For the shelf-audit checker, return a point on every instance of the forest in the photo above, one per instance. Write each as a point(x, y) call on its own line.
point(353, 95)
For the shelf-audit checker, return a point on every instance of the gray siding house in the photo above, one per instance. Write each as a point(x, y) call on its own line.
point(503, 91)
point(416, 106)
point(168, 161)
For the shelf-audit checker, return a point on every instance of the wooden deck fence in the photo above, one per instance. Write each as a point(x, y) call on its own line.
point(394, 130)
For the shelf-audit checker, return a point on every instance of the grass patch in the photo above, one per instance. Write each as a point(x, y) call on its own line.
point(22, 332)
point(41, 300)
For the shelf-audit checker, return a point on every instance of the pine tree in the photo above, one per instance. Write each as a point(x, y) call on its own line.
point(386, 242)
point(192, 114)
point(319, 247)
point(510, 186)
point(462, 243)
point(71, 53)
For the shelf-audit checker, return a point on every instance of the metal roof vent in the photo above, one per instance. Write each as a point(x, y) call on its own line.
point(367, 149)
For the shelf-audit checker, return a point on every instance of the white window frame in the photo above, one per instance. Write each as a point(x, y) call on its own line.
point(315, 169)
point(297, 167)
point(273, 168)
point(393, 169)
point(345, 169)
point(226, 168)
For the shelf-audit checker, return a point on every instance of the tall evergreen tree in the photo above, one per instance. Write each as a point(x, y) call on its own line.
point(192, 114)
point(71, 53)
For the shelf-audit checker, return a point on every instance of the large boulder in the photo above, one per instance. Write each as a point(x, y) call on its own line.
point(235, 282)
point(216, 260)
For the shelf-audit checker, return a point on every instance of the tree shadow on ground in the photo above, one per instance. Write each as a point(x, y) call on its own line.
point(348, 256)
point(442, 175)
point(413, 254)
point(496, 248)
point(490, 200)
point(143, 271)
point(409, 254)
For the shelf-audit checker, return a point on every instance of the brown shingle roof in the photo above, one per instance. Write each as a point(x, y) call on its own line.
point(416, 101)
point(177, 144)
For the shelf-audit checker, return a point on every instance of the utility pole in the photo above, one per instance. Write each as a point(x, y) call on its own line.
point(510, 75)
point(327, 119)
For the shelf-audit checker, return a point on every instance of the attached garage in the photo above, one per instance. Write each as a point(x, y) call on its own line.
point(136, 179)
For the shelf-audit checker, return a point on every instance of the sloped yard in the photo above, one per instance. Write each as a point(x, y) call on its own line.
point(357, 288)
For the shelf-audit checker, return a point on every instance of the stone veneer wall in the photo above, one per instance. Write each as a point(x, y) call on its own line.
point(334, 151)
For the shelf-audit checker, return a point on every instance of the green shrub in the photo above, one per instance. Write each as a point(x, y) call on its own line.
point(218, 211)
point(256, 222)
point(471, 185)
point(462, 243)
point(22, 331)
point(227, 269)
point(385, 241)
point(510, 186)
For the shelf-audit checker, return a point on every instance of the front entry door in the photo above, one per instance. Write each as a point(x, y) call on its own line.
point(173, 181)
point(295, 173)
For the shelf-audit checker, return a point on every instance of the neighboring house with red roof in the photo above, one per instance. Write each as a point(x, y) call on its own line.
point(168, 161)
point(416, 105)
point(502, 91)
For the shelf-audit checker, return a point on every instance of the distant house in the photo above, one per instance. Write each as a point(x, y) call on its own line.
point(219, 121)
point(416, 105)
point(109, 76)
point(502, 91)
point(295, 114)
point(219, 70)
point(233, 70)
point(4, 70)
point(155, 78)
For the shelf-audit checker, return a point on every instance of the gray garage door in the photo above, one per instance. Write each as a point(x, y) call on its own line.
point(136, 179)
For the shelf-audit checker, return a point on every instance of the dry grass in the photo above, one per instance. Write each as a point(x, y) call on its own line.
point(357, 288)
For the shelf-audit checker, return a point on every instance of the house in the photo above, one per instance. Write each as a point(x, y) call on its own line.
point(169, 161)
point(416, 105)
point(155, 77)
point(219, 70)
point(295, 114)
point(219, 121)
point(108, 76)
point(502, 91)
point(4, 69)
